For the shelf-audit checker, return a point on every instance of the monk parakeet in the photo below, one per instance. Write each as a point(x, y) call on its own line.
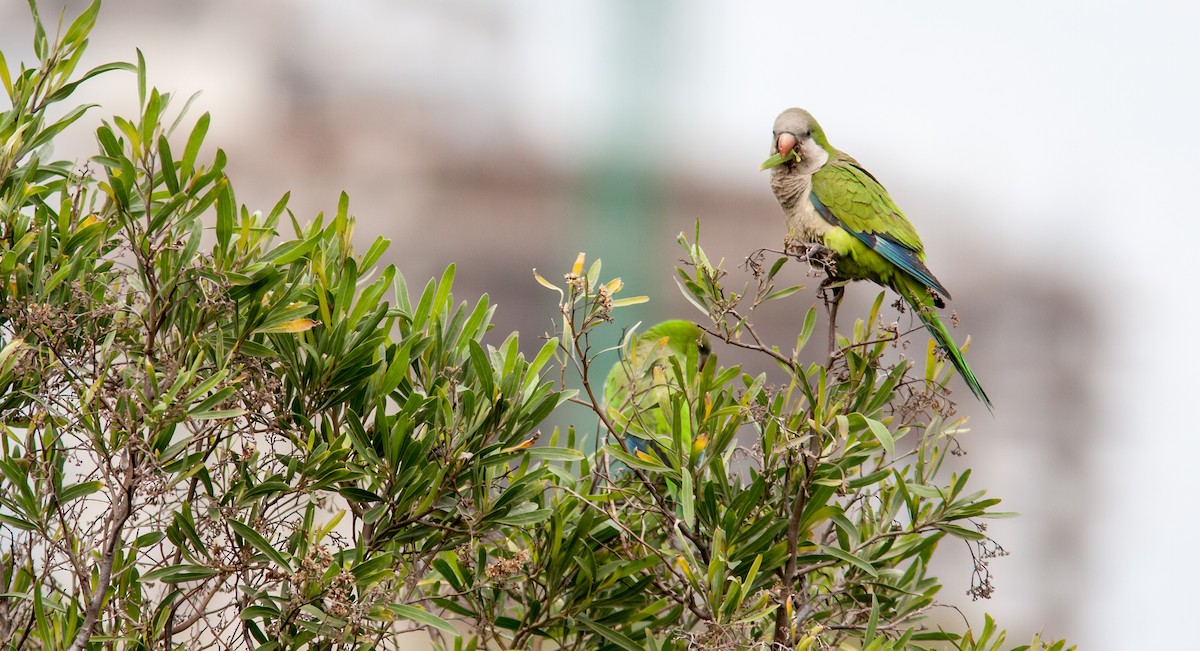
point(830, 200)
point(640, 380)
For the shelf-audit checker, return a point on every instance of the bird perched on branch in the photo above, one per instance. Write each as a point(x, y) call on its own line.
point(836, 208)
point(643, 377)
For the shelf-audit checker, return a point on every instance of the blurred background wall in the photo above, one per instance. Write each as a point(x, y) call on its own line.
point(1046, 151)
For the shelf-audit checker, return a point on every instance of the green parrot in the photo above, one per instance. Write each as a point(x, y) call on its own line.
point(830, 200)
point(639, 381)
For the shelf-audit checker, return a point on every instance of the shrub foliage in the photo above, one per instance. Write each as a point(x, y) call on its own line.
point(214, 433)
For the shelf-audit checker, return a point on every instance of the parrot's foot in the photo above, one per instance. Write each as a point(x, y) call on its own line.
point(816, 255)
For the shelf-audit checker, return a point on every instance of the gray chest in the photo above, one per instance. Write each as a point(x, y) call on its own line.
point(804, 223)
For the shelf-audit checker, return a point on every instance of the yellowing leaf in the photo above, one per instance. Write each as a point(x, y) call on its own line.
point(577, 268)
point(683, 565)
point(632, 300)
point(520, 446)
point(13, 346)
point(295, 325)
point(545, 283)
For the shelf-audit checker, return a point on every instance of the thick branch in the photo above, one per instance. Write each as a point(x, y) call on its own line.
point(116, 524)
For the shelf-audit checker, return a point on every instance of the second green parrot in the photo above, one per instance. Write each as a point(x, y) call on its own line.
point(643, 377)
point(830, 200)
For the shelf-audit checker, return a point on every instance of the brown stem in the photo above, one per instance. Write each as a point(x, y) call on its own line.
point(832, 302)
point(793, 542)
point(200, 606)
point(116, 524)
point(758, 344)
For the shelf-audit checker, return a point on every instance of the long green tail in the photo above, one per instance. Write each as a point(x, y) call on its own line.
point(917, 296)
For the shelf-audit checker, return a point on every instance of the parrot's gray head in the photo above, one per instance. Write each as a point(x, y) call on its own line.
point(798, 144)
point(798, 150)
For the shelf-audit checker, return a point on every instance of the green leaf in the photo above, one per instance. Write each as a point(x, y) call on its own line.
point(82, 24)
point(632, 300)
point(289, 252)
point(46, 135)
point(358, 494)
point(259, 543)
point(226, 210)
point(524, 517)
point(270, 487)
point(79, 490)
point(66, 90)
point(150, 118)
point(192, 149)
point(18, 522)
point(141, 78)
point(688, 500)
point(612, 635)
point(259, 612)
point(960, 532)
point(846, 556)
point(774, 161)
point(846, 526)
point(422, 617)
point(217, 414)
point(482, 367)
point(180, 573)
point(778, 159)
point(5, 79)
point(148, 539)
point(882, 434)
point(782, 293)
point(555, 454)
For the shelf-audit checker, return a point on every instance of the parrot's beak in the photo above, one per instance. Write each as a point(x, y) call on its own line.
point(786, 145)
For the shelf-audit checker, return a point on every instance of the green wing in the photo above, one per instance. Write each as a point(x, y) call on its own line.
point(848, 196)
point(861, 203)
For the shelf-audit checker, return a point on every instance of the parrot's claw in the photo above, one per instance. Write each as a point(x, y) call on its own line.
point(816, 255)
